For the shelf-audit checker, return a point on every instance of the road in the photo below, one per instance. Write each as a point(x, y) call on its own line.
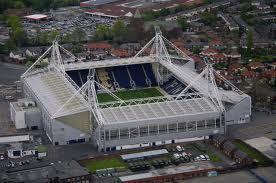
point(10, 72)
point(261, 125)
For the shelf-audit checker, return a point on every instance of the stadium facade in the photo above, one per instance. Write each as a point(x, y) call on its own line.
point(189, 104)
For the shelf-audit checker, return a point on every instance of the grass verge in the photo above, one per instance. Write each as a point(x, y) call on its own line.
point(94, 165)
point(262, 160)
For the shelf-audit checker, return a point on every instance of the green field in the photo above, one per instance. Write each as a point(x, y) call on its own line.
point(94, 165)
point(130, 94)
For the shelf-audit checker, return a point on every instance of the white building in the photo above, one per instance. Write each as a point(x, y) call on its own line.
point(25, 114)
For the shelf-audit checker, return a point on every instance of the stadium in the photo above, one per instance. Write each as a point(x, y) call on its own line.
point(153, 98)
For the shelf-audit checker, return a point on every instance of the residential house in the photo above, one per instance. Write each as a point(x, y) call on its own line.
point(208, 52)
point(218, 58)
point(229, 148)
point(242, 158)
point(256, 65)
point(184, 50)
point(216, 43)
point(120, 53)
point(235, 68)
point(98, 46)
point(232, 25)
point(249, 75)
point(255, 3)
point(273, 65)
point(18, 57)
point(218, 141)
point(232, 55)
point(131, 46)
point(271, 74)
point(263, 7)
point(199, 63)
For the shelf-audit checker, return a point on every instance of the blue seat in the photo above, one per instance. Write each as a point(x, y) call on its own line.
point(121, 76)
point(75, 77)
point(149, 72)
point(173, 86)
point(137, 75)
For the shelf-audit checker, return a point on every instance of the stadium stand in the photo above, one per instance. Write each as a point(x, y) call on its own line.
point(149, 73)
point(173, 86)
point(127, 77)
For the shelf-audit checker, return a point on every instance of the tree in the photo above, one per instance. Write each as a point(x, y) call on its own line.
point(175, 33)
point(182, 22)
point(164, 12)
point(148, 15)
point(18, 4)
point(118, 31)
point(17, 34)
point(209, 18)
point(52, 36)
point(135, 30)
point(13, 22)
point(77, 48)
point(29, 63)
point(42, 38)
point(78, 35)
point(102, 33)
point(249, 43)
point(180, 8)
point(9, 45)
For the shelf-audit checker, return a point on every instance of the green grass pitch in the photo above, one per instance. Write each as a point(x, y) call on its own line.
point(130, 94)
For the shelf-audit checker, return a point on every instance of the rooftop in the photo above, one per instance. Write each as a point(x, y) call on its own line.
point(189, 167)
point(159, 110)
point(62, 170)
point(36, 16)
point(53, 90)
point(144, 154)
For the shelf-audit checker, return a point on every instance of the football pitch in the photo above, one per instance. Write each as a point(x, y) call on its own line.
point(130, 94)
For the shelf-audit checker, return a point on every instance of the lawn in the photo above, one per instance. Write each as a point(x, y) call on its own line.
point(130, 94)
point(254, 154)
point(213, 156)
point(94, 165)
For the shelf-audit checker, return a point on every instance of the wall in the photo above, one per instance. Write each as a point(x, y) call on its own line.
point(239, 113)
point(34, 118)
point(18, 117)
point(62, 133)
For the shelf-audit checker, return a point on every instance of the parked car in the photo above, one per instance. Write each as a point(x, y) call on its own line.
point(179, 148)
point(176, 156)
point(207, 157)
point(2, 157)
point(202, 157)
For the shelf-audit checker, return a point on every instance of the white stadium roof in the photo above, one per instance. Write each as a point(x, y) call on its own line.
point(141, 112)
point(108, 63)
point(53, 91)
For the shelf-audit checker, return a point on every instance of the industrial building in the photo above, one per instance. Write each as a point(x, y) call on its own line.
point(72, 97)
